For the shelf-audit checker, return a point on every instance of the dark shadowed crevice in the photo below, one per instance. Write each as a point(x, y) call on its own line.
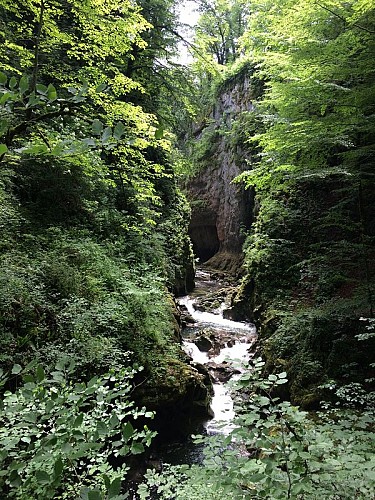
point(205, 241)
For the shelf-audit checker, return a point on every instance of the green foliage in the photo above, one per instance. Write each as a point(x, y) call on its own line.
point(60, 438)
point(277, 451)
point(220, 25)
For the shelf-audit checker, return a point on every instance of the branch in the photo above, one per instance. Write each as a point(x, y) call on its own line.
point(189, 44)
point(344, 20)
point(36, 49)
point(22, 127)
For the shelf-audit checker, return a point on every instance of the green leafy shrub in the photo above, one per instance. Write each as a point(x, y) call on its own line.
point(277, 451)
point(61, 439)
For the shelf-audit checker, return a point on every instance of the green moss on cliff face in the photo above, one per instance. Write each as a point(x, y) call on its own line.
point(306, 264)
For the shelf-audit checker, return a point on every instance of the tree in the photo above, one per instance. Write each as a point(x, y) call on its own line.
point(220, 26)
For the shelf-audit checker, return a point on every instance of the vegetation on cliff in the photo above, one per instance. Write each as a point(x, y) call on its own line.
point(94, 241)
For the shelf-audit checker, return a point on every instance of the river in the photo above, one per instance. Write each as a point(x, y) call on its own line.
point(223, 346)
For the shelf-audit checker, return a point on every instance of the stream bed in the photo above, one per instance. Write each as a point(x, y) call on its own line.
point(223, 346)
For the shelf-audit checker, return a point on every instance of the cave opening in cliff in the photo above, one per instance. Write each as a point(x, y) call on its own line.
point(205, 241)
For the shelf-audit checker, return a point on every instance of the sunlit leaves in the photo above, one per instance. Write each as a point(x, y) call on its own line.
point(78, 414)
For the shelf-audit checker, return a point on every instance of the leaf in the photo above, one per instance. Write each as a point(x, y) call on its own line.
point(102, 428)
point(107, 482)
point(3, 149)
point(3, 78)
point(94, 495)
point(16, 369)
point(97, 127)
point(159, 133)
point(89, 141)
point(281, 381)
point(24, 84)
point(92, 382)
point(57, 376)
point(41, 89)
point(30, 416)
point(78, 421)
point(12, 82)
point(58, 467)
point(137, 448)
point(106, 134)
point(101, 87)
point(42, 477)
point(282, 375)
point(51, 92)
point(40, 374)
point(127, 431)
point(115, 487)
point(119, 131)
point(14, 479)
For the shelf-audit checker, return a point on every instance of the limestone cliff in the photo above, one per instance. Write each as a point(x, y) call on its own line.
point(220, 208)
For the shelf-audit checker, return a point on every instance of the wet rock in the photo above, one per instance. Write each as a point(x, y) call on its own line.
point(207, 380)
point(204, 343)
point(185, 317)
point(222, 372)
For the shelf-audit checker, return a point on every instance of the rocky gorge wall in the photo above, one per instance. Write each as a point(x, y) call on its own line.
point(221, 208)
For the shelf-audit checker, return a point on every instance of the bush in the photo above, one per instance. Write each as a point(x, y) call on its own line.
point(61, 439)
point(277, 451)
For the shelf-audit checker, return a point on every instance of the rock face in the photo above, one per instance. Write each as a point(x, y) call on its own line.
point(220, 208)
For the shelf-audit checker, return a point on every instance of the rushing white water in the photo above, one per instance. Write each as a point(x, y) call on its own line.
point(211, 319)
point(235, 355)
point(196, 355)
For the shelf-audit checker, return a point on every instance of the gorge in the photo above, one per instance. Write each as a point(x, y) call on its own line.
point(137, 195)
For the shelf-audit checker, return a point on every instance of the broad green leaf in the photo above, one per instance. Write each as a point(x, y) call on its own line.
point(57, 376)
point(127, 431)
point(3, 149)
point(30, 416)
point(101, 428)
point(107, 134)
point(40, 374)
point(107, 481)
point(3, 78)
point(101, 87)
point(8, 96)
point(159, 133)
point(119, 131)
point(78, 421)
point(41, 89)
point(15, 465)
point(115, 488)
point(13, 82)
point(14, 479)
point(58, 467)
point(97, 127)
point(92, 382)
point(94, 495)
point(51, 92)
point(24, 84)
point(16, 369)
point(137, 448)
point(42, 477)
point(89, 141)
